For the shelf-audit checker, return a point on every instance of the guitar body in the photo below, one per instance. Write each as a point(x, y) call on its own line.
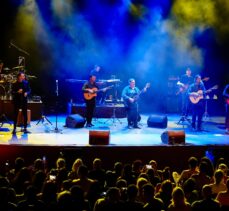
point(88, 95)
point(196, 99)
point(200, 94)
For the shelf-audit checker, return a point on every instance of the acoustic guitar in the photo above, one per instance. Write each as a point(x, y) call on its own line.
point(90, 95)
point(184, 87)
point(195, 97)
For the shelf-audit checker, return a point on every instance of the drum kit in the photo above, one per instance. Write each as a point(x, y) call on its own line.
point(8, 77)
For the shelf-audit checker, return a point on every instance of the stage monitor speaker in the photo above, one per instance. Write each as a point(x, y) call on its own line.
point(173, 137)
point(75, 121)
point(99, 137)
point(157, 121)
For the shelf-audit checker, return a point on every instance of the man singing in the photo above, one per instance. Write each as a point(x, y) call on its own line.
point(197, 108)
point(128, 94)
point(226, 96)
point(91, 102)
point(20, 92)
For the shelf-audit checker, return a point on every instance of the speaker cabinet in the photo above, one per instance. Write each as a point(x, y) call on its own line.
point(157, 121)
point(99, 137)
point(173, 137)
point(75, 121)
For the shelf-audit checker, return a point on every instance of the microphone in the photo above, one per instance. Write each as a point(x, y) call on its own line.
point(57, 91)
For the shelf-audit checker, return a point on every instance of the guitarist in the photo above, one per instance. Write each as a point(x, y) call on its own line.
point(198, 108)
point(90, 103)
point(128, 94)
point(226, 96)
point(184, 83)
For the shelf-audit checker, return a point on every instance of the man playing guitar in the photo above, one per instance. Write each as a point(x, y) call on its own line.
point(130, 95)
point(90, 90)
point(197, 108)
point(226, 96)
point(90, 103)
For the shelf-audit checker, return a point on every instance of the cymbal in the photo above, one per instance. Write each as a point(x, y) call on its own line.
point(6, 68)
point(18, 67)
point(31, 76)
point(111, 81)
point(73, 80)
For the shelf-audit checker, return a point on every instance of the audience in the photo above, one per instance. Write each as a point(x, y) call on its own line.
point(134, 186)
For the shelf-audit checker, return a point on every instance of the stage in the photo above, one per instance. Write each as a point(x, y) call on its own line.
point(125, 144)
point(44, 133)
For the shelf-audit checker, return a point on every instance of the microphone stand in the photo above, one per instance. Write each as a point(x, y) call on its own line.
point(56, 130)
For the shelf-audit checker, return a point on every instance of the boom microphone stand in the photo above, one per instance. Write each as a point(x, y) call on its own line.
point(56, 130)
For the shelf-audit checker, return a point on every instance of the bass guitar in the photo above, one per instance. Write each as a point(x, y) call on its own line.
point(195, 97)
point(93, 92)
point(136, 97)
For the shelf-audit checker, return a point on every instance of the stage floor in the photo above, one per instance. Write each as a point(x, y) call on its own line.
point(44, 134)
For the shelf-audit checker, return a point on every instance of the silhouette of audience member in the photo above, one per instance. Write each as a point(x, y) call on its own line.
point(218, 184)
point(98, 173)
point(111, 201)
point(75, 166)
point(165, 193)
point(128, 175)
point(201, 178)
point(179, 201)
point(207, 203)
point(140, 183)
point(31, 202)
point(49, 195)
point(79, 203)
point(137, 168)
point(187, 173)
point(4, 201)
point(131, 203)
point(223, 198)
point(190, 191)
point(151, 203)
point(83, 181)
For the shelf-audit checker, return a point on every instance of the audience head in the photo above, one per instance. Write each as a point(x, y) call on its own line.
point(178, 197)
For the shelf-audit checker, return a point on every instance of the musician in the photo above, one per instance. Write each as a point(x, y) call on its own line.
point(198, 108)
point(226, 95)
point(20, 91)
point(128, 94)
point(90, 104)
point(96, 71)
point(184, 84)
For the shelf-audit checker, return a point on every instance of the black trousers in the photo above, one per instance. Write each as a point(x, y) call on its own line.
point(132, 115)
point(185, 104)
point(22, 106)
point(227, 116)
point(90, 108)
point(197, 114)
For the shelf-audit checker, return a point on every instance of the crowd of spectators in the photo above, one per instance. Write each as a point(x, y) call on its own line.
point(136, 186)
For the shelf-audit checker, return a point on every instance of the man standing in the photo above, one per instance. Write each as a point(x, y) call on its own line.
point(197, 91)
point(184, 83)
point(90, 87)
point(96, 71)
point(130, 98)
point(226, 96)
point(20, 92)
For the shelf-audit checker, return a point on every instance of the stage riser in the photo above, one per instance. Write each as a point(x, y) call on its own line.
point(6, 107)
point(101, 111)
